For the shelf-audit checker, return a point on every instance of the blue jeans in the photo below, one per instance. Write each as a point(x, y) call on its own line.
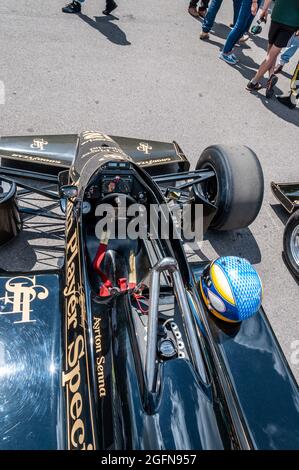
point(290, 50)
point(242, 25)
point(212, 13)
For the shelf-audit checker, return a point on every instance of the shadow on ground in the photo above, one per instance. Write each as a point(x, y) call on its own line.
point(280, 212)
point(281, 111)
point(236, 243)
point(106, 26)
point(40, 245)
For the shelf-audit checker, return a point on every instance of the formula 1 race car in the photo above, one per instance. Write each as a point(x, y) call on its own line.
point(128, 345)
point(288, 195)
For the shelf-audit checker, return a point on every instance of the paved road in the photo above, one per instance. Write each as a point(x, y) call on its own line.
point(145, 73)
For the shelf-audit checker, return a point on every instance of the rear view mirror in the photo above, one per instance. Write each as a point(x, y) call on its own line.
point(68, 191)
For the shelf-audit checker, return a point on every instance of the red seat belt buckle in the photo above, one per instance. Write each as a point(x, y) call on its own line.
point(122, 284)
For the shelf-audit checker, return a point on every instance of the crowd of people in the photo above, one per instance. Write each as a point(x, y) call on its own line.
point(283, 35)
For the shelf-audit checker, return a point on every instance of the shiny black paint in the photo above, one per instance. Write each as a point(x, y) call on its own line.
point(287, 194)
point(60, 152)
point(31, 411)
point(266, 391)
point(238, 408)
point(183, 414)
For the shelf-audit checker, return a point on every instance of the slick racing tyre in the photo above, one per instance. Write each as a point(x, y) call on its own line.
point(237, 189)
point(291, 243)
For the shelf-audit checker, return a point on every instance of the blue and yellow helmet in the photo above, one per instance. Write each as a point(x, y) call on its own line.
point(231, 289)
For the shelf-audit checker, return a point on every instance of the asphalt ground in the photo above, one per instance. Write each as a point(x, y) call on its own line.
point(144, 73)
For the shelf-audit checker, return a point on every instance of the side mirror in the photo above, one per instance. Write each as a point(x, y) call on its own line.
point(68, 191)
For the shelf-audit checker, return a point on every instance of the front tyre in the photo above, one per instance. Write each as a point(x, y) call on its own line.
point(291, 243)
point(237, 189)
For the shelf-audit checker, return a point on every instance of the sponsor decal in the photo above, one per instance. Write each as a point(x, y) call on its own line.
point(155, 161)
point(91, 136)
point(109, 151)
point(20, 292)
point(144, 147)
point(75, 377)
point(39, 144)
point(34, 158)
point(100, 359)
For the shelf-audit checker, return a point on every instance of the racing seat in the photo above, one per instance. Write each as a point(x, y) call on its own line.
point(112, 263)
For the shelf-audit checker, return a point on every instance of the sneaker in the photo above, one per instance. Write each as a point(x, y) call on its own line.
point(110, 9)
point(244, 38)
point(270, 86)
point(253, 86)
point(74, 7)
point(204, 36)
point(193, 12)
point(202, 12)
point(278, 69)
point(228, 58)
point(286, 100)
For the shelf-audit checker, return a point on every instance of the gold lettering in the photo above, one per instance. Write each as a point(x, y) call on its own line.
point(74, 346)
point(76, 406)
point(78, 426)
point(68, 378)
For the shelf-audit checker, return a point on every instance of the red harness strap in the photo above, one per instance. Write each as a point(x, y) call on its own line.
point(104, 288)
point(107, 284)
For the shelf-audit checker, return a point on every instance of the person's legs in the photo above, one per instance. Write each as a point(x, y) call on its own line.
point(237, 6)
point(193, 8)
point(73, 7)
point(279, 36)
point(110, 6)
point(240, 27)
point(290, 50)
point(268, 63)
point(202, 9)
point(211, 15)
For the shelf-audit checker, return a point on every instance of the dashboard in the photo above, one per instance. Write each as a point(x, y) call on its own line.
point(115, 178)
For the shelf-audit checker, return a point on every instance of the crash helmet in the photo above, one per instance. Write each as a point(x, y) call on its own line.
point(231, 289)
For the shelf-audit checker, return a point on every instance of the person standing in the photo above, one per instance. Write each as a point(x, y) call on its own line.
point(211, 14)
point(288, 53)
point(242, 25)
point(284, 23)
point(75, 7)
point(291, 99)
point(201, 10)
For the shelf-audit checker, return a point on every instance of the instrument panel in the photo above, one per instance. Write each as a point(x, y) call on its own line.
point(115, 178)
point(116, 184)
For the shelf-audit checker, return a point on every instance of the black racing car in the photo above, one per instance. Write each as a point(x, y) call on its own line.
point(117, 350)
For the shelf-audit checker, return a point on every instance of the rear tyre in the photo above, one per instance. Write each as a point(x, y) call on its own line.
point(291, 243)
point(237, 189)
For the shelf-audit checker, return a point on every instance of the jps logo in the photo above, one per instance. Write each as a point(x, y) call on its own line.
point(20, 293)
point(39, 144)
point(144, 147)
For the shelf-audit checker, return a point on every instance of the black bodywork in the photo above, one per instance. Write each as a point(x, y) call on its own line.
point(73, 368)
point(287, 194)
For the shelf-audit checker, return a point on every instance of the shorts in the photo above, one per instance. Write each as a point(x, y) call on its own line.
point(280, 34)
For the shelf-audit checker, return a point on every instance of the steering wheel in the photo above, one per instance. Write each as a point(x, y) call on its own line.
point(113, 196)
